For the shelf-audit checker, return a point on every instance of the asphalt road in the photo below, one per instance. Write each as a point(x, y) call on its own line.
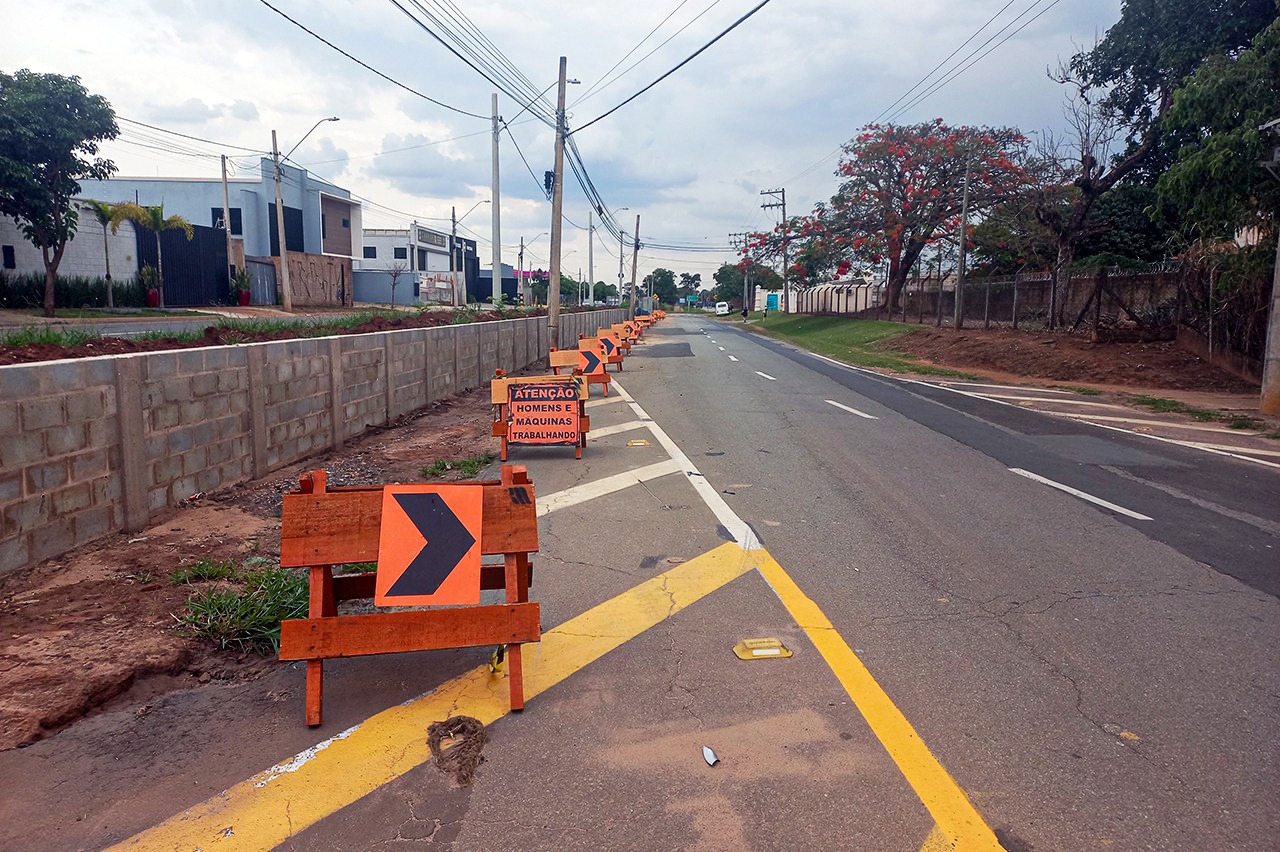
point(978, 654)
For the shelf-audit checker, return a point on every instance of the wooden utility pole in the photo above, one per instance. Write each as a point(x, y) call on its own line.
point(226, 217)
point(557, 208)
point(453, 247)
point(635, 262)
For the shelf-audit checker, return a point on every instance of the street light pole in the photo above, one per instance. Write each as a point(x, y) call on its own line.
point(286, 295)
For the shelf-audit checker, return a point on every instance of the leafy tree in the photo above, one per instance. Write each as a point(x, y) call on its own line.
point(1009, 240)
point(603, 292)
point(903, 190)
point(50, 127)
point(107, 215)
point(154, 220)
point(690, 284)
point(662, 284)
point(1216, 179)
point(1158, 43)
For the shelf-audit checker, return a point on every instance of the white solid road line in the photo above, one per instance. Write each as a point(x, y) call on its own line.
point(1082, 495)
point(731, 358)
point(1006, 387)
point(605, 431)
point(600, 487)
point(766, 375)
point(737, 528)
point(851, 410)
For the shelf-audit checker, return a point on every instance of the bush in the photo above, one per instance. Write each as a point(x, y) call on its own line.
point(27, 291)
point(245, 613)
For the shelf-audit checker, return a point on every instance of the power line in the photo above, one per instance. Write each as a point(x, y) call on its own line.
point(597, 86)
point(947, 59)
point(186, 136)
point(685, 62)
point(369, 67)
point(970, 60)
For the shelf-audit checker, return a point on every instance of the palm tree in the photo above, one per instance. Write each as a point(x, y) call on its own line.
point(154, 220)
point(106, 214)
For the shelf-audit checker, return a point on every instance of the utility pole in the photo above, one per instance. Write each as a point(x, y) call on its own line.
point(1271, 355)
point(286, 296)
point(737, 241)
point(591, 259)
point(964, 239)
point(453, 247)
point(226, 217)
point(635, 262)
point(557, 209)
point(781, 194)
point(496, 294)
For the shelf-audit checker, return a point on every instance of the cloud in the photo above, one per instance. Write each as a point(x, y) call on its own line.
point(418, 165)
point(244, 111)
point(190, 111)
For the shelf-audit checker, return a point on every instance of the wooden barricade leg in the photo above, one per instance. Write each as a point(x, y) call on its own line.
point(516, 567)
point(321, 604)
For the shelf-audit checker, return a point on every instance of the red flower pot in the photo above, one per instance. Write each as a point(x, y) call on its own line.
point(242, 297)
point(153, 298)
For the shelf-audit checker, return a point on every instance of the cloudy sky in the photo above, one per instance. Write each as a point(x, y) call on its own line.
point(765, 107)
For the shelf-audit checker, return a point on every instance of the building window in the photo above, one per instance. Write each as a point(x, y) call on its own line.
point(324, 224)
point(402, 253)
point(422, 259)
point(346, 223)
point(215, 217)
point(371, 252)
point(9, 261)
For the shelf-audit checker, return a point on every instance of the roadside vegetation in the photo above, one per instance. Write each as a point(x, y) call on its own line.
point(240, 606)
point(1206, 415)
point(468, 468)
point(863, 343)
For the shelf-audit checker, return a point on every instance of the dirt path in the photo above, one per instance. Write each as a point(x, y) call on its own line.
point(95, 627)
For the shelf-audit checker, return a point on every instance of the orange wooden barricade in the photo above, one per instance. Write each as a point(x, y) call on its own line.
point(322, 527)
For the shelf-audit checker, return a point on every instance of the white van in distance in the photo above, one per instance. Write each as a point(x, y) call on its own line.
point(722, 309)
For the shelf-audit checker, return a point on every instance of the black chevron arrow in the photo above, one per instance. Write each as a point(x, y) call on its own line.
point(447, 541)
point(608, 345)
point(593, 360)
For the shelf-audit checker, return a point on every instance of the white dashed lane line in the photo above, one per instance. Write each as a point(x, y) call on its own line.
point(844, 407)
point(766, 375)
point(731, 358)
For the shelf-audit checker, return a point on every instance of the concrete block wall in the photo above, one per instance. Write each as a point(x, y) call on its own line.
point(100, 445)
point(60, 481)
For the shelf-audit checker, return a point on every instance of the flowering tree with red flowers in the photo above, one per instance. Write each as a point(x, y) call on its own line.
point(903, 189)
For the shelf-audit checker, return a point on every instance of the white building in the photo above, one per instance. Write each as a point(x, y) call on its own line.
point(417, 249)
point(85, 255)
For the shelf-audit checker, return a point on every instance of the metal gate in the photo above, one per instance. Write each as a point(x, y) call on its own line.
point(195, 270)
point(262, 287)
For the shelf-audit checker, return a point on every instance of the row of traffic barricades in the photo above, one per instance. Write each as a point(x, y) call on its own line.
point(428, 540)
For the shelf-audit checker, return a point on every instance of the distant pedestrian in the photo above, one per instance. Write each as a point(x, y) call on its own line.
point(744, 313)
point(766, 311)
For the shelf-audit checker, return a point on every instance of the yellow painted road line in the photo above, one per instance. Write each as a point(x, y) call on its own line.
point(955, 815)
point(276, 804)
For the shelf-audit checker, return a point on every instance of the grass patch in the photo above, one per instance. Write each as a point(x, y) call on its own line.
point(469, 467)
point(206, 570)
point(1204, 415)
point(105, 313)
point(1082, 391)
point(356, 568)
point(1275, 436)
point(246, 613)
point(858, 342)
point(46, 334)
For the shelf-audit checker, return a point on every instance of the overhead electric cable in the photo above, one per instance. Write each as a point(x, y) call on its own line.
point(685, 62)
point(187, 136)
point(369, 67)
point(592, 88)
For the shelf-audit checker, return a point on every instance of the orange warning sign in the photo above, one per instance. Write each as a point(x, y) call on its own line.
point(429, 546)
point(545, 413)
point(590, 359)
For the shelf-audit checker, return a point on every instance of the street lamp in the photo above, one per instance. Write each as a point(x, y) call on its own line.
point(286, 296)
point(453, 246)
point(526, 292)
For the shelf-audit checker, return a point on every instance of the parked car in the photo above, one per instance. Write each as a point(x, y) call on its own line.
point(722, 309)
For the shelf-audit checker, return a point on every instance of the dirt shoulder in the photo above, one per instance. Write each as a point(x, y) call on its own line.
point(1073, 359)
point(95, 629)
